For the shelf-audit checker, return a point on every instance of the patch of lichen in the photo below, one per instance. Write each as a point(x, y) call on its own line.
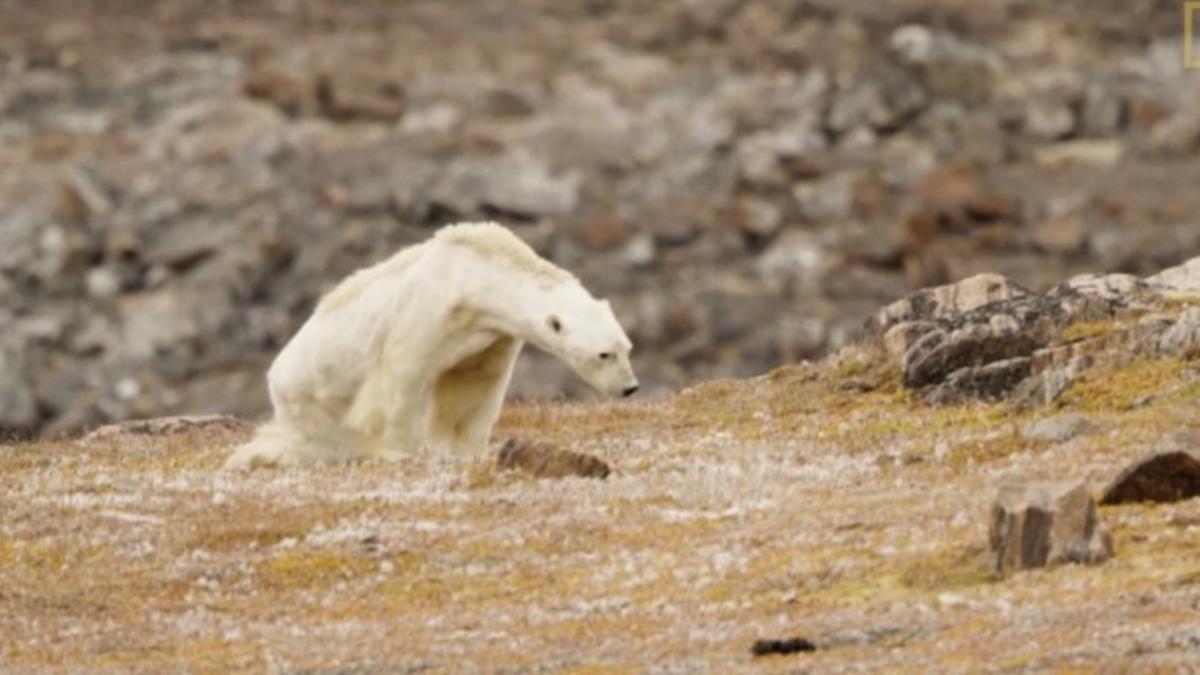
point(990, 448)
point(948, 568)
point(1088, 330)
point(1122, 388)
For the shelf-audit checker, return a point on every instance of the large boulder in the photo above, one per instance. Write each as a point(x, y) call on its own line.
point(1169, 474)
point(1039, 525)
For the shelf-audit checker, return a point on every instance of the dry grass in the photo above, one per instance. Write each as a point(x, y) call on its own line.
point(819, 501)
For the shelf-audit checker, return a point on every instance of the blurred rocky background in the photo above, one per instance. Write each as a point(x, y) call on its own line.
point(748, 181)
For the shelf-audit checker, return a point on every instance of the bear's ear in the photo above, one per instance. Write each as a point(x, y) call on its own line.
point(554, 323)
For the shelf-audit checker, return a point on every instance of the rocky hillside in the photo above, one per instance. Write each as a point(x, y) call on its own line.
point(747, 181)
point(844, 511)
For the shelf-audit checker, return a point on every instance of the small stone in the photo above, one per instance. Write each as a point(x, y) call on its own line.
point(1038, 525)
point(543, 460)
point(359, 95)
point(758, 218)
point(640, 251)
point(1063, 235)
point(605, 234)
point(1092, 152)
point(827, 199)
point(103, 283)
point(1103, 114)
point(782, 647)
point(1050, 120)
point(1058, 429)
point(288, 91)
point(166, 426)
point(1165, 476)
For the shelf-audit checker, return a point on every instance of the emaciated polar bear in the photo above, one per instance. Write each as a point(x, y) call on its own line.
point(416, 352)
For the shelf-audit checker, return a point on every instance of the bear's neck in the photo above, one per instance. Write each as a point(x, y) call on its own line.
point(519, 309)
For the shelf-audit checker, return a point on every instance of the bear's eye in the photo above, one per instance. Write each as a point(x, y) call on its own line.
point(554, 323)
point(607, 356)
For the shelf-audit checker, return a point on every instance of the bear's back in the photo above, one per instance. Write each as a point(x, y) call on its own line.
point(493, 242)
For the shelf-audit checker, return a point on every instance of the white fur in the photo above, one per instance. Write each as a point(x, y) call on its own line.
point(416, 353)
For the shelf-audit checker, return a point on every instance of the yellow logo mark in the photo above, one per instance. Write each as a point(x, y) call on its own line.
point(1191, 55)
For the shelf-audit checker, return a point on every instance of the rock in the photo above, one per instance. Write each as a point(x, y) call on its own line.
point(103, 283)
point(220, 129)
point(184, 246)
point(1092, 152)
point(1183, 278)
point(640, 251)
point(1103, 113)
point(18, 405)
point(988, 382)
point(1059, 428)
point(782, 647)
point(360, 95)
point(1049, 120)
point(1062, 235)
point(1039, 525)
point(901, 337)
point(605, 234)
point(797, 254)
point(1164, 476)
point(952, 67)
point(1178, 134)
point(83, 197)
point(518, 184)
point(167, 426)
point(288, 91)
point(827, 199)
point(757, 218)
point(1183, 336)
point(1046, 384)
point(938, 354)
point(543, 460)
point(947, 301)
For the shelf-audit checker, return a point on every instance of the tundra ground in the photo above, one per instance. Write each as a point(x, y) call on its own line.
point(818, 501)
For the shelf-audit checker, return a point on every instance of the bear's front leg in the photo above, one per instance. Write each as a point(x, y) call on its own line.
point(406, 419)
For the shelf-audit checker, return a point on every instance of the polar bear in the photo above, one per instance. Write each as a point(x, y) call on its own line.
point(416, 353)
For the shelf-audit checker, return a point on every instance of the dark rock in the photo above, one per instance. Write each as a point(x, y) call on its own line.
point(935, 356)
point(989, 382)
point(1166, 476)
point(1039, 525)
point(545, 461)
point(782, 647)
point(292, 93)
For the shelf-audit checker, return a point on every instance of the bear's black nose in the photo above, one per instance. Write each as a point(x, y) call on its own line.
point(630, 391)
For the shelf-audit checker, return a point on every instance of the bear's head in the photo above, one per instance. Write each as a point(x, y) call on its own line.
point(585, 333)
